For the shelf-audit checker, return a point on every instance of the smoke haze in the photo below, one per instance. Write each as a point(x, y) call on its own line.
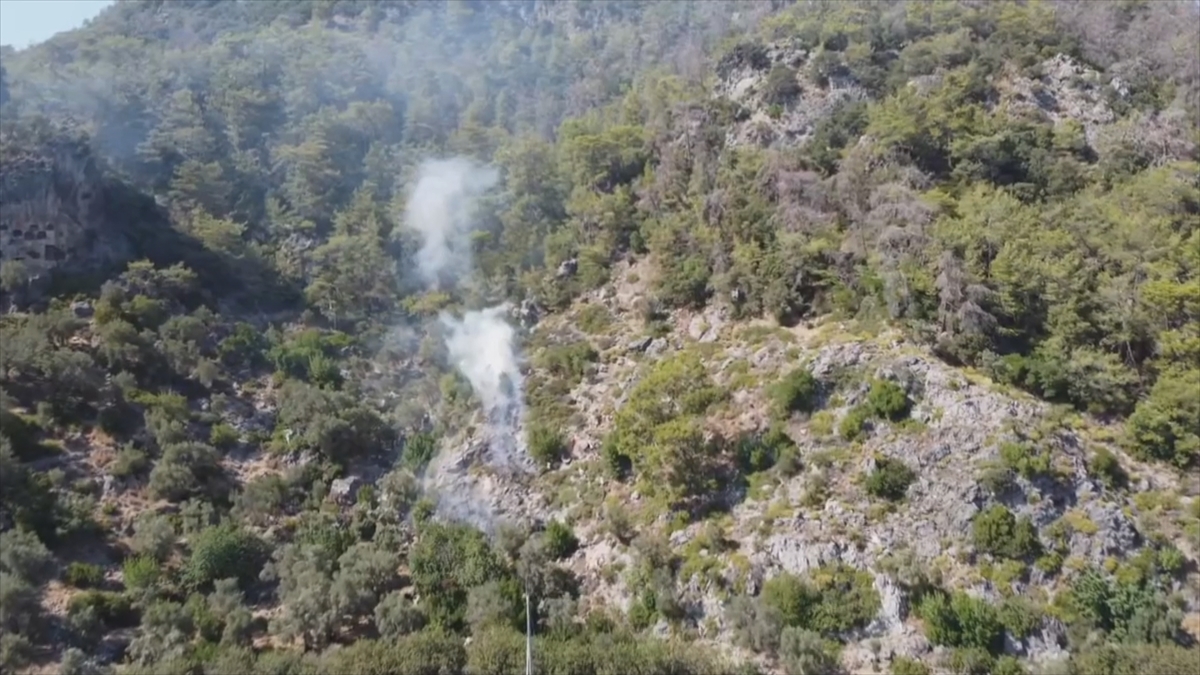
point(440, 210)
point(482, 346)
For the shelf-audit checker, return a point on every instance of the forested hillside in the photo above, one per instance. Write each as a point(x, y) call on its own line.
point(743, 337)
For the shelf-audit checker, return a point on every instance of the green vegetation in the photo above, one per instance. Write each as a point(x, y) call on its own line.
point(795, 392)
point(959, 620)
point(83, 575)
point(1025, 459)
point(560, 541)
point(242, 326)
point(831, 601)
point(890, 479)
point(657, 433)
point(887, 400)
point(996, 531)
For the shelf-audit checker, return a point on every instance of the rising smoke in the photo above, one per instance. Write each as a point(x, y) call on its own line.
point(440, 210)
point(481, 344)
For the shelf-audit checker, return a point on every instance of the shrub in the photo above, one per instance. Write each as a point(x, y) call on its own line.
point(23, 555)
point(560, 540)
point(224, 437)
point(656, 431)
point(16, 651)
point(1106, 468)
point(890, 479)
point(130, 461)
point(972, 661)
point(594, 319)
point(887, 399)
point(902, 665)
point(1110, 659)
point(569, 362)
point(1020, 617)
point(834, 600)
point(997, 532)
point(961, 621)
point(1025, 460)
point(761, 453)
point(419, 450)
point(854, 423)
point(83, 575)
point(781, 86)
point(796, 392)
point(153, 535)
point(114, 609)
point(546, 445)
point(20, 608)
point(1166, 425)
point(396, 616)
point(223, 552)
point(140, 572)
point(805, 653)
point(444, 563)
point(186, 470)
point(997, 480)
point(756, 625)
point(1008, 665)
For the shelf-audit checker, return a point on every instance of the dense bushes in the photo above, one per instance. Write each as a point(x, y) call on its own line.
point(887, 400)
point(762, 452)
point(830, 601)
point(1166, 426)
point(1025, 459)
point(546, 445)
point(890, 479)
point(447, 561)
point(1130, 610)
point(959, 620)
point(224, 552)
point(796, 392)
point(998, 532)
point(657, 431)
point(559, 540)
point(83, 575)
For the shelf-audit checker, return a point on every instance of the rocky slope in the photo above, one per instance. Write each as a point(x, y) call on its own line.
point(821, 515)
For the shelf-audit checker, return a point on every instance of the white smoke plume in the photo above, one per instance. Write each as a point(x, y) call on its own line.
point(483, 346)
point(440, 210)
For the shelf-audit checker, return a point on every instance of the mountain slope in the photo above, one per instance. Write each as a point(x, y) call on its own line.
point(743, 336)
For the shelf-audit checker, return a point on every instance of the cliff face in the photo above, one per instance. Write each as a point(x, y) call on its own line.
point(52, 204)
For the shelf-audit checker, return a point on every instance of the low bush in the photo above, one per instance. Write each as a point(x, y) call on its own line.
point(1025, 459)
point(854, 423)
point(902, 665)
point(796, 392)
point(223, 552)
point(83, 575)
point(959, 620)
point(419, 449)
point(831, 600)
point(1106, 468)
point(560, 540)
point(116, 610)
point(998, 532)
point(887, 400)
point(546, 444)
point(140, 572)
point(761, 453)
point(890, 479)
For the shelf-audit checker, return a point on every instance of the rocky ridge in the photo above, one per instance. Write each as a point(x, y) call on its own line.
point(958, 423)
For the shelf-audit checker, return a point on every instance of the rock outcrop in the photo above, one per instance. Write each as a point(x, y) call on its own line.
point(52, 203)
